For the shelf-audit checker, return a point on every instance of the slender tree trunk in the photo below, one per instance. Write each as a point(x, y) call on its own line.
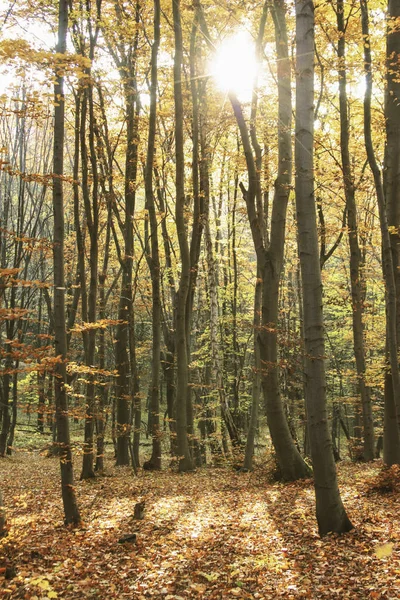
point(256, 384)
point(154, 257)
point(123, 357)
point(14, 407)
point(184, 455)
point(5, 398)
point(357, 280)
point(168, 363)
point(102, 388)
point(40, 378)
point(91, 212)
point(199, 202)
point(3, 530)
point(331, 515)
point(71, 511)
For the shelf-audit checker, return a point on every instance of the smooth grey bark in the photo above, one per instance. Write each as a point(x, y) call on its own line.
point(391, 189)
point(357, 279)
point(154, 255)
point(71, 512)
point(256, 383)
point(185, 461)
point(200, 196)
point(331, 515)
point(391, 444)
point(168, 359)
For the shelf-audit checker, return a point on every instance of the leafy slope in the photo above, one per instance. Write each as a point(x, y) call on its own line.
point(211, 534)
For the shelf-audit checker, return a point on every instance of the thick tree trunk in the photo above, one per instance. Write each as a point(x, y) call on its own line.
point(331, 515)
point(391, 443)
point(71, 511)
point(392, 200)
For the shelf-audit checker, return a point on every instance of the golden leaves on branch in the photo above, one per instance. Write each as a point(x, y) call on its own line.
point(13, 51)
point(101, 324)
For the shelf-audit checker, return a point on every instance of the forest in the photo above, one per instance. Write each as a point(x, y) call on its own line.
point(199, 299)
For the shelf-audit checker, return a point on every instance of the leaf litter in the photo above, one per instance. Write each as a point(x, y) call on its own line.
point(212, 534)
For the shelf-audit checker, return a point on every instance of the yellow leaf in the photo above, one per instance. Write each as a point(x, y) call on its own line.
point(52, 595)
point(210, 576)
point(384, 550)
point(44, 584)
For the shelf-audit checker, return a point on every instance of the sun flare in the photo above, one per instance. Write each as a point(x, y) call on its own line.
point(234, 65)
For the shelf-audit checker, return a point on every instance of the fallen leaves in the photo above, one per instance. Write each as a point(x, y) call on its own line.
point(384, 550)
point(214, 534)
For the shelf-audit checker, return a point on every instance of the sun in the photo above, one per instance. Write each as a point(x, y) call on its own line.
point(234, 65)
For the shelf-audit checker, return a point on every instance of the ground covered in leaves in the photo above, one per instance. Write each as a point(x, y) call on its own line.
point(214, 534)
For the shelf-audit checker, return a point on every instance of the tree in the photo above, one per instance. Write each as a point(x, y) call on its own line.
point(392, 200)
point(357, 279)
point(331, 515)
point(153, 253)
point(71, 511)
point(391, 445)
point(184, 454)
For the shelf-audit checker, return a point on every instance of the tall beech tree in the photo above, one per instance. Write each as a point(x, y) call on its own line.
point(71, 511)
point(331, 515)
point(153, 253)
point(391, 438)
point(184, 455)
point(392, 199)
point(357, 279)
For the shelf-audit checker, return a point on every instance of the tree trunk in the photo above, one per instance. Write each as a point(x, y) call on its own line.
point(331, 515)
point(154, 256)
point(71, 511)
point(391, 445)
point(356, 267)
point(124, 334)
point(14, 408)
point(392, 199)
point(256, 384)
point(184, 455)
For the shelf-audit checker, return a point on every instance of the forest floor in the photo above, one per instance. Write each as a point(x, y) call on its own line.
point(215, 534)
